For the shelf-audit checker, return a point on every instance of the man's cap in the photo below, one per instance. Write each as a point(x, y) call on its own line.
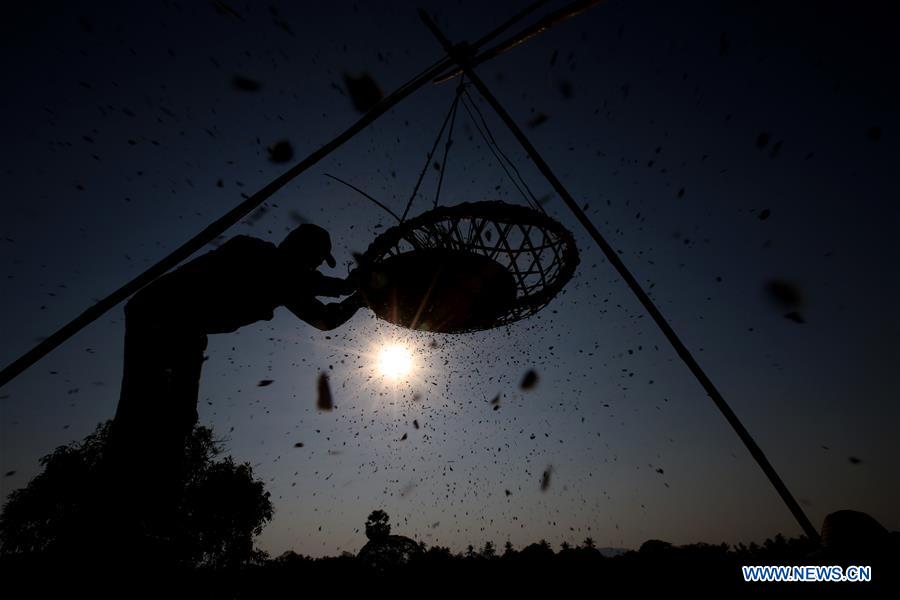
point(309, 236)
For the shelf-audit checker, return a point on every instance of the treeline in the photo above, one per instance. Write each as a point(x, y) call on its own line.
point(65, 535)
point(656, 566)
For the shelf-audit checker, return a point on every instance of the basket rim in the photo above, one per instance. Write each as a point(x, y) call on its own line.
point(498, 211)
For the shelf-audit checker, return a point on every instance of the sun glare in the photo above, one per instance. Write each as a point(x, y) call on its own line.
point(394, 361)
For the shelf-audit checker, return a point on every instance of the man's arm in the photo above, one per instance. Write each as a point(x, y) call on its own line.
point(333, 287)
point(325, 316)
point(317, 284)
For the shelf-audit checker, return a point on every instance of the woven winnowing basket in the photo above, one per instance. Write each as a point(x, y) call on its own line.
point(538, 253)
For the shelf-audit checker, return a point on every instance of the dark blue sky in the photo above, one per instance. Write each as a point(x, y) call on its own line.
point(121, 119)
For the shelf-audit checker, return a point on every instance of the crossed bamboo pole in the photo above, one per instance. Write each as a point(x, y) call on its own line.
point(464, 57)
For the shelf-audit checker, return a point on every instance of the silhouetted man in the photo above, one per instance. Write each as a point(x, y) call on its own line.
point(166, 324)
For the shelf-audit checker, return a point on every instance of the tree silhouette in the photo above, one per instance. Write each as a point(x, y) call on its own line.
point(588, 543)
point(439, 553)
point(384, 551)
point(540, 551)
point(488, 551)
point(377, 526)
point(65, 510)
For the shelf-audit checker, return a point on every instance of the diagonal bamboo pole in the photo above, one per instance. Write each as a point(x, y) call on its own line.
point(465, 58)
point(213, 230)
point(556, 17)
point(222, 224)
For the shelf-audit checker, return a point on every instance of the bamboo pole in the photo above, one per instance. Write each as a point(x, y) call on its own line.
point(465, 61)
point(556, 17)
point(234, 215)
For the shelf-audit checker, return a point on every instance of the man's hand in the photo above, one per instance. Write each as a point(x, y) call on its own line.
point(327, 316)
point(354, 302)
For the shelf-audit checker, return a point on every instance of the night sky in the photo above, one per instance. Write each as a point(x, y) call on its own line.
point(718, 146)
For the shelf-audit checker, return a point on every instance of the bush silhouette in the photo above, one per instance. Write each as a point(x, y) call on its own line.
point(63, 512)
point(383, 550)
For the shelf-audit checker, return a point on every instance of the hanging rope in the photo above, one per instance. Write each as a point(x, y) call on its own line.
point(434, 146)
point(494, 153)
point(459, 90)
point(521, 185)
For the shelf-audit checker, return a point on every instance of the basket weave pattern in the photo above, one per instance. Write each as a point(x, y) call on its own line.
point(539, 252)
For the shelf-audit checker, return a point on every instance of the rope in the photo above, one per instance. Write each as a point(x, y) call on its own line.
point(429, 155)
point(533, 200)
point(500, 156)
point(459, 91)
point(494, 152)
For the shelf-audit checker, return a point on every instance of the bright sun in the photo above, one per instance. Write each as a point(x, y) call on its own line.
point(394, 361)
